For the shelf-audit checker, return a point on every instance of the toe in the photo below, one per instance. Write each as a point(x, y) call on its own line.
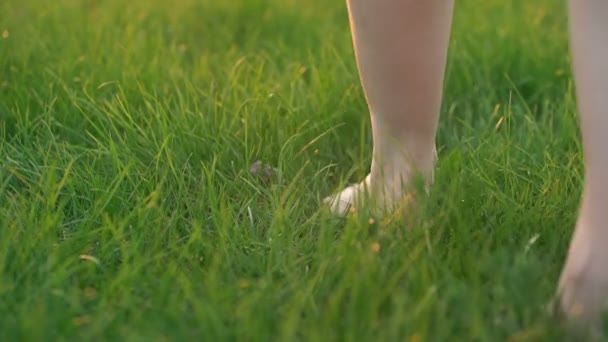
point(341, 203)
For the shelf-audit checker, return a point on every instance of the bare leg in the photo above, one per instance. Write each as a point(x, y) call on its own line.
point(584, 281)
point(401, 48)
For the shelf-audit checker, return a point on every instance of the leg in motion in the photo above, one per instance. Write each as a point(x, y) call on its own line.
point(401, 48)
point(584, 282)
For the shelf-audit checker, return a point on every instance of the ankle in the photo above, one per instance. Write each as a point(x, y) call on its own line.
point(395, 169)
point(402, 152)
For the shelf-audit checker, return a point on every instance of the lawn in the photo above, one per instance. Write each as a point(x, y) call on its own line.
point(128, 210)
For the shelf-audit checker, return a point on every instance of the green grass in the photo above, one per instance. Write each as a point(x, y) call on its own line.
point(126, 134)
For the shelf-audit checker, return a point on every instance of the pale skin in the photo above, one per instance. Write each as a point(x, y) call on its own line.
point(401, 49)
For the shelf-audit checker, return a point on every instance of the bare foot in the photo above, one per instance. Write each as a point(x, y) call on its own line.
point(349, 198)
point(583, 287)
point(386, 187)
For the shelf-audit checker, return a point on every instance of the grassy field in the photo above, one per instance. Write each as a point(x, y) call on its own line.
point(128, 210)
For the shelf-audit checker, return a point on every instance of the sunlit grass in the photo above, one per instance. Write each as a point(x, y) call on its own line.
point(128, 210)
